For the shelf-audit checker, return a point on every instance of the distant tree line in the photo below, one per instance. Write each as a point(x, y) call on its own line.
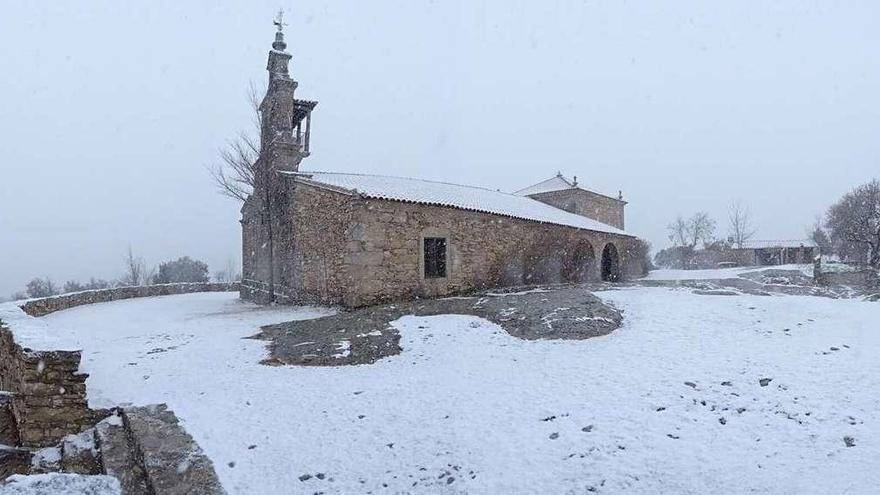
point(689, 234)
point(850, 230)
point(135, 273)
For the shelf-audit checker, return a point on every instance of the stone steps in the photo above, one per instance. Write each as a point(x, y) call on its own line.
point(173, 462)
point(119, 457)
point(145, 448)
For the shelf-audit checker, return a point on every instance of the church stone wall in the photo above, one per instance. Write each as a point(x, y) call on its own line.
point(322, 227)
point(384, 255)
point(343, 249)
point(605, 209)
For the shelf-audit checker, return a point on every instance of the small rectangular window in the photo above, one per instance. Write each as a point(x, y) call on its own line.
point(435, 257)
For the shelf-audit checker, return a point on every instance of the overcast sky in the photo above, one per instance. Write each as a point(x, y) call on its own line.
point(110, 111)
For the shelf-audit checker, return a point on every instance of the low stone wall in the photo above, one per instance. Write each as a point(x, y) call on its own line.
point(48, 392)
point(45, 306)
point(864, 278)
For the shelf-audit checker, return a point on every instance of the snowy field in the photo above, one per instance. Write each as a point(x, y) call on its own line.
point(669, 403)
point(720, 273)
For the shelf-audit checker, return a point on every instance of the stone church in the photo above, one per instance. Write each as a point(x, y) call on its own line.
point(357, 239)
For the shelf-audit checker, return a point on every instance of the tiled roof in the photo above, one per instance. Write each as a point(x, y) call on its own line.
point(779, 244)
point(451, 195)
point(556, 183)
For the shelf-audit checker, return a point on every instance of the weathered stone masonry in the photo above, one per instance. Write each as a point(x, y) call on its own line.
point(48, 392)
point(356, 251)
point(605, 209)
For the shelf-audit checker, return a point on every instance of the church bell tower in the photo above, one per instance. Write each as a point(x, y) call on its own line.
point(285, 121)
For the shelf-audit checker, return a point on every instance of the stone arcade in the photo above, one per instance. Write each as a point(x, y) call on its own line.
point(356, 240)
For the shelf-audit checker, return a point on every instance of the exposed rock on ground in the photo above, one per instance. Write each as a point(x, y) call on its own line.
point(363, 336)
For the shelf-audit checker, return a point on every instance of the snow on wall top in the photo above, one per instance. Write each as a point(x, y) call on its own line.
point(452, 195)
point(32, 333)
point(779, 244)
point(556, 183)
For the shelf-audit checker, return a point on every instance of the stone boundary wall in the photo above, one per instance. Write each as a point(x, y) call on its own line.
point(48, 392)
point(47, 389)
point(48, 305)
point(866, 278)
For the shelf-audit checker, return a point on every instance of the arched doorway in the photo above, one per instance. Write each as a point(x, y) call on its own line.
point(610, 264)
point(579, 266)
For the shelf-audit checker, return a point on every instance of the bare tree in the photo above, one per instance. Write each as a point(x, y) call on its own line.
point(234, 174)
point(41, 287)
point(819, 235)
point(700, 228)
point(678, 232)
point(690, 232)
point(855, 220)
point(229, 274)
point(741, 228)
point(136, 272)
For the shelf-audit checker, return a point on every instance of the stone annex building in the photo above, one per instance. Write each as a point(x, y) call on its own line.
point(354, 239)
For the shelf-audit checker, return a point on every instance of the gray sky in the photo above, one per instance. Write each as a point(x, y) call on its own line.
point(110, 111)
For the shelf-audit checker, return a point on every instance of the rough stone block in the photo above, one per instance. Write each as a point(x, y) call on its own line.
point(173, 461)
point(13, 461)
point(8, 425)
point(79, 453)
point(119, 458)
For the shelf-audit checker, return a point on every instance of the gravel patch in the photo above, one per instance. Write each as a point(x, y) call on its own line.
point(365, 335)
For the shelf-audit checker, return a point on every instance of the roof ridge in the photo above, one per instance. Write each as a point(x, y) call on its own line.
point(555, 177)
point(409, 178)
point(448, 194)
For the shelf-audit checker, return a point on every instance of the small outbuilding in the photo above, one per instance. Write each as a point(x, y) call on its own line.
point(770, 253)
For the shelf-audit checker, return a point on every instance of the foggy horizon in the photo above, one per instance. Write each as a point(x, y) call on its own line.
point(112, 113)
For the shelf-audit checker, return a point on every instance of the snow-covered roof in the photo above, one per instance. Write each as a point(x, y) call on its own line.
point(779, 244)
point(451, 195)
point(556, 183)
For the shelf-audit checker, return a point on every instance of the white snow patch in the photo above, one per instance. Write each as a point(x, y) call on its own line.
point(593, 318)
point(80, 442)
point(520, 293)
point(46, 457)
point(374, 333)
point(345, 347)
point(114, 420)
point(60, 484)
point(721, 273)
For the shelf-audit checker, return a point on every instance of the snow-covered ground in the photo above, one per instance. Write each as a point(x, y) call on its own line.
point(720, 273)
point(669, 403)
point(60, 484)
